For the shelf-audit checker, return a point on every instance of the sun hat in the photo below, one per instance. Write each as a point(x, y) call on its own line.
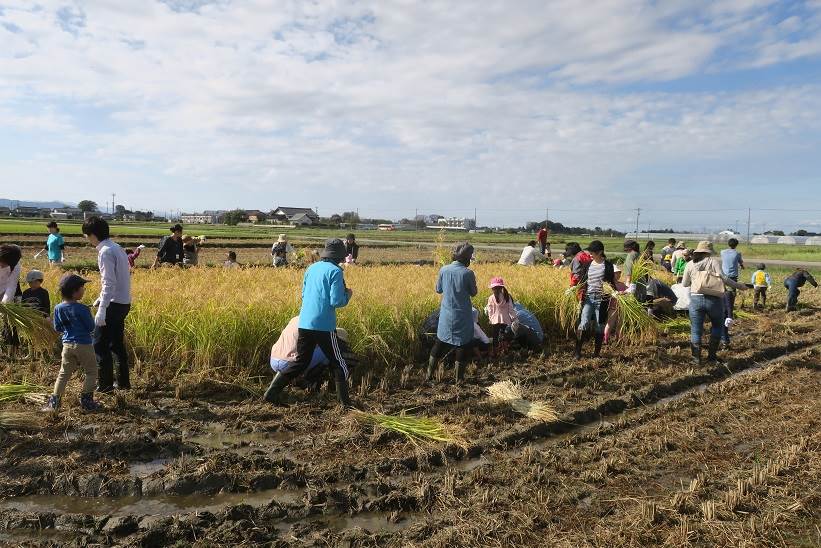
point(282, 238)
point(35, 275)
point(342, 333)
point(334, 249)
point(704, 246)
point(616, 269)
point(462, 252)
point(70, 283)
point(681, 245)
point(497, 281)
point(596, 246)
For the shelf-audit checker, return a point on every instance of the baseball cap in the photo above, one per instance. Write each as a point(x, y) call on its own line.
point(70, 283)
point(34, 275)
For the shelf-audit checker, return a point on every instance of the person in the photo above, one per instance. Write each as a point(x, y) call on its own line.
point(526, 329)
point(680, 261)
point(171, 251)
point(284, 351)
point(667, 254)
point(55, 244)
point(731, 262)
point(190, 250)
point(499, 310)
point(323, 291)
point(36, 295)
point(649, 251)
point(529, 254)
point(793, 283)
point(541, 237)
point(280, 250)
point(231, 260)
point(351, 249)
point(660, 299)
point(457, 284)
point(113, 305)
point(73, 320)
point(631, 248)
point(611, 328)
point(761, 282)
point(133, 255)
point(704, 304)
point(589, 271)
point(10, 269)
point(480, 342)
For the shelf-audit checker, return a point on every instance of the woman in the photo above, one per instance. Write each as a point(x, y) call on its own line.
point(591, 270)
point(457, 284)
point(649, 251)
point(10, 268)
point(701, 275)
point(190, 250)
point(280, 250)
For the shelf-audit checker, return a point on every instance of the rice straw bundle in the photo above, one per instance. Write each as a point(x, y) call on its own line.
point(30, 325)
point(16, 419)
point(678, 324)
point(416, 429)
point(636, 324)
point(567, 308)
point(511, 394)
point(14, 391)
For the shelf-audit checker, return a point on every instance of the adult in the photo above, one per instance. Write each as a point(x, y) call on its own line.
point(541, 237)
point(527, 330)
point(589, 271)
point(55, 244)
point(10, 269)
point(457, 284)
point(351, 249)
point(323, 291)
point(731, 263)
point(706, 280)
point(667, 254)
point(191, 250)
point(171, 248)
point(678, 266)
point(611, 329)
point(113, 305)
point(280, 250)
point(793, 283)
point(649, 251)
point(529, 254)
point(637, 285)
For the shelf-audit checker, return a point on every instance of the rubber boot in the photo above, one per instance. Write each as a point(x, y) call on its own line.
point(52, 404)
point(274, 393)
point(342, 389)
point(88, 404)
point(580, 337)
point(599, 339)
point(695, 349)
point(432, 363)
point(712, 350)
point(460, 372)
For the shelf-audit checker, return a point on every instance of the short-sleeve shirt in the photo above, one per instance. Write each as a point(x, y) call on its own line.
point(730, 261)
point(457, 284)
point(54, 246)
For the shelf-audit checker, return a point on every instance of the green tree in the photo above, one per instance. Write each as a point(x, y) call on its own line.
point(234, 217)
point(87, 206)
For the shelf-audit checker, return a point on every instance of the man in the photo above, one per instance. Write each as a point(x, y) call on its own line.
point(793, 282)
point(55, 244)
point(529, 254)
point(667, 254)
point(541, 237)
point(171, 249)
point(457, 284)
point(113, 305)
point(351, 248)
point(323, 291)
point(731, 262)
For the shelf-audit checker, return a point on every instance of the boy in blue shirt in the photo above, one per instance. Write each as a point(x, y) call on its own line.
point(55, 244)
point(73, 320)
point(323, 291)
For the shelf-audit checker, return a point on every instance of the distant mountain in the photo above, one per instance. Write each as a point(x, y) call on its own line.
point(23, 203)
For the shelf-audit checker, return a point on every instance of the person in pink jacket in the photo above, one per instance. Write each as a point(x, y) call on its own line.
point(499, 309)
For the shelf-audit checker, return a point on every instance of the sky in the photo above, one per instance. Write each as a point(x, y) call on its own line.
point(692, 110)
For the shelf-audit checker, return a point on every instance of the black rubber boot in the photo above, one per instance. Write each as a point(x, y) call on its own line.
point(712, 351)
point(580, 337)
point(432, 363)
point(342, 389)
point(460, 372)
point(599, 339)
point(695, 349)
point(274, 393)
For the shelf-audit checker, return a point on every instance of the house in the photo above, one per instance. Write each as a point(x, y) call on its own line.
point(4, 211)
point(26, 211)
point(305, 215)
point(255, 215)
point(138, 216)
point(204, 218)
point(457, 223)
point(66, 213)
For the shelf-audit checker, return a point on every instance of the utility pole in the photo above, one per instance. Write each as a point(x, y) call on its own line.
point(112, 202)
point(475, 224)
point(546, 217)
point(748, 226)
point(415, 219)
point(638, 214)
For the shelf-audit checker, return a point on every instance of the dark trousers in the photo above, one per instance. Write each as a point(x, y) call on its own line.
point(792, 293)
point(441, 348)
point(307, 342)
point(729, 311)
point(497, 332)
point(109, 339)
point(760, 293)
point(542, 246)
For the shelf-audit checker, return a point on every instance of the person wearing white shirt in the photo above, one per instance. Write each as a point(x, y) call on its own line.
point(530, 255)
point(10, 270)
point(113, 305)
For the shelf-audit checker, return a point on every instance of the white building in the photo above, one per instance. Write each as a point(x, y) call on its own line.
point(198, 218)
point(459, 223)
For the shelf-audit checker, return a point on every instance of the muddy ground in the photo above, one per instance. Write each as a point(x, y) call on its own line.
point(648, 449)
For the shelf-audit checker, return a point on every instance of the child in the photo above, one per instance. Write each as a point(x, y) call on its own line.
point(351, 249)
point(55, 244)
point(36, 296)
point(133, 255)
point(232, 260)
point(611, 329)
point(499, 309)
point(761, 283)
point(680, 262)
point(74, 321)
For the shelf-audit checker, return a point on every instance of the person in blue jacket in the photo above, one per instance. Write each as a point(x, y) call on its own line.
point(323, 291)
point(457, 284)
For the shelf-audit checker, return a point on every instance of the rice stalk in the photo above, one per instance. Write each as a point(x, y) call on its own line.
point(636, 325)
point(30, 324)
point(416, 429)
point(511, 393)
point(17, 419)
point(15, 391)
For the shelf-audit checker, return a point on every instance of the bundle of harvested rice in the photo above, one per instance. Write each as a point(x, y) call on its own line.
point(567, 307)
point(30, 325)
point(17, 419)
point(416, 429)
point(636, 325)
point(511, 394)
point(15, 391)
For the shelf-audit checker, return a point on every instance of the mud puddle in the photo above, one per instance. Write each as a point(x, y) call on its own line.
point(144, 469)
point(375, 522)
point(217, 437)
point(163, 505)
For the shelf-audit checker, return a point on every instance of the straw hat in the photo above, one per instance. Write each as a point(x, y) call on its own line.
point(282, 238)
point(704, 247)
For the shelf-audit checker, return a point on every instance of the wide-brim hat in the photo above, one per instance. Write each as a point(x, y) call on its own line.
point(704, 247)
point(35, 275)
point(282, 238)
point(334, 249)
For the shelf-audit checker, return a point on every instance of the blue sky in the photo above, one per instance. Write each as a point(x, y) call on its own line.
point(691, 110)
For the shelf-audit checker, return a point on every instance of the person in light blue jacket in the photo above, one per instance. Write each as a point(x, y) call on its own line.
point(323, 291)
point(457, 284)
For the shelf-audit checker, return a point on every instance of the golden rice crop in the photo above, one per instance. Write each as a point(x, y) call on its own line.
point(510, 393)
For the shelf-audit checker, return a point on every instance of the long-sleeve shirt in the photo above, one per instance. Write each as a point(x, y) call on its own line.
point(323, 291)
point(801, 277)
point(711, 264)
point(761, 278)
point(529, 256)
point(457, 284)
point(500, 312)
point(39, 299)
point(352, 249)
point(9, 282)
point(133, 256)
point(54, 246)
point(74, 322)
point(171, 251)
point(115, 275)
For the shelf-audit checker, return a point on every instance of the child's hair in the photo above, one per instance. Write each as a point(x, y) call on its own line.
point(53, 225)
point(671, 241)
point(650, 244)
point(232, 255)
point(96, 226)
point(532, 243)
point(732, 242)
point(10, 255)
point(128, 251)
point(506, 293)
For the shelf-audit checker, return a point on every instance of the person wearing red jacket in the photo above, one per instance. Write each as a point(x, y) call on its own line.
point(589, 271)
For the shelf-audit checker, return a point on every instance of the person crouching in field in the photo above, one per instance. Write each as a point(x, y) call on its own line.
point(73, 320)
point(323, 291)
point(500, 311)
point(794, 282)
point(284, 352)
point(457, 284)
point(590, 270)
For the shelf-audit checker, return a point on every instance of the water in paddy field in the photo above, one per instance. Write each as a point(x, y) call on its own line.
point(217, 437)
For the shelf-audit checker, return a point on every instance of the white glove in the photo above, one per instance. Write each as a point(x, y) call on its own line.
point(631, 288)
point(141, 246)
point(728, 322)
point(99, 319)
point(96, 303)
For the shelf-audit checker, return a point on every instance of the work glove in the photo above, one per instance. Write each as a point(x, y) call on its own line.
point(631, 288)
point(96, 303)
point(141, 246)
point(99, 319)
point(728, 322)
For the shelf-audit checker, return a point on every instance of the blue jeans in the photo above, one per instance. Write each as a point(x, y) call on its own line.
point(594, 308)
point(702, 306)
point(792, 293)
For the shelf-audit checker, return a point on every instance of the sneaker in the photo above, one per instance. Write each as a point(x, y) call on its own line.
point(52, 404)
point(88, 404)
